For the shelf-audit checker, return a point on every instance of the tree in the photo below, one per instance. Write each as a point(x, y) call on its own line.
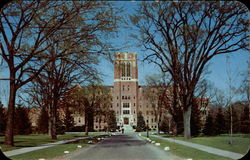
point(36, 22)
point(195, 119)
point(157, 92)
point(141, 125)
point(22, 121)
point(219, 122)
point(245, 121)
point(165, 124)
point(182, 43)
point(68, 120)
point(111, 120)
point(244, 89)
point(2, 118)
point(93, 99)
point(42, 121)
point(208, 129)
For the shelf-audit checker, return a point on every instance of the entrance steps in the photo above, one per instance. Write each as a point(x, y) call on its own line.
point(128, 128)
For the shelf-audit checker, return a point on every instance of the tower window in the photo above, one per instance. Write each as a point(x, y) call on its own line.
point(125, 105)
point(128, 69)
point(123, 69)
point(125, 111)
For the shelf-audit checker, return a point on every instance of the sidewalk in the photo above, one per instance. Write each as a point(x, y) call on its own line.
point(204, 148)
point(29, 149)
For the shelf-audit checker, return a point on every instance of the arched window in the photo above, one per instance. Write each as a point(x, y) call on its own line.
point(128, 69)
point(123, 69)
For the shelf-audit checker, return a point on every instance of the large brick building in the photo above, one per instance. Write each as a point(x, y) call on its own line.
point(128, 98)
point(125, 91)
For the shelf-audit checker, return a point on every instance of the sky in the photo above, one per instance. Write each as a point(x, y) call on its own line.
point(217, 66)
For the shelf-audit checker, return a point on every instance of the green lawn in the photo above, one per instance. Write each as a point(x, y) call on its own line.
point(241, 143)
point(55, 151)
point(34, 140)
point(186, 152)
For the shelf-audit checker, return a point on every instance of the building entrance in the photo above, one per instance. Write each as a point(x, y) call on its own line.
point(126, 121)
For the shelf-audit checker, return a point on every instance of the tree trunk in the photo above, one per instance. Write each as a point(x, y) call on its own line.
point(231, 125)
point(186, 119)
point(49, 121)
point(9, 140)
point(174, 128)
point(86, 127)
point(54, 116)
point(86, 122)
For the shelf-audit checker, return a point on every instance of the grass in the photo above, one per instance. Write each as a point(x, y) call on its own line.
point(21, 141)
point(187, 152)
point(241, 143)
point(56, 151)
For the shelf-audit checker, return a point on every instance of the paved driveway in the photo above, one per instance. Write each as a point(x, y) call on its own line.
point(122, 147)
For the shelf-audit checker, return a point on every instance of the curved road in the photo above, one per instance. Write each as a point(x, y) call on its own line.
point(122, 147)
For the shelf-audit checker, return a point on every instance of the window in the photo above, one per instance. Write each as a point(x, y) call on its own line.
point(128, 87)
point(117, 104)
point(125, 105)
point(79, 120)
point(128, 97)
point(125, 111)
point(128, 69)
point(134, 97)
point(147, 112)
point(123, 87)
point(123, 69)
point(152, 120)
point(117, 97)
point(122, 97)
point(134, 104)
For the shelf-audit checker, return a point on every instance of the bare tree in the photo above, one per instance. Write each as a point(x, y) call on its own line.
point(157, 92)
point(226, 99)
point(244, 89)
point(26, 27)
point(93, 99)
point(182, 37)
